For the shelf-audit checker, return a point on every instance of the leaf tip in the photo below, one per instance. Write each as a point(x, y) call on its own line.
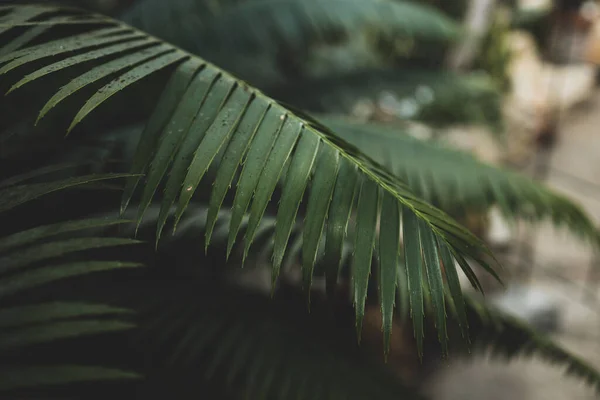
point(39, 117)
point(70, 128)
point(12, 89)
point(359, 325)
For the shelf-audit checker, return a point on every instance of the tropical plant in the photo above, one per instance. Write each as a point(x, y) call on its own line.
point(39, 256)
point(343, 211)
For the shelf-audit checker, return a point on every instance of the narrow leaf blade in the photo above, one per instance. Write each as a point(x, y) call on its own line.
point(290, 131)
point(339, 217)
point(413, 264)
point(293, 190)
point(319, 199)
point(137, 73)
point(436, 282)
point(366, 229)
point(17, 377)
point(389, 246)
point(214, 139)
point(231, 161)
point(33, 254)
point(17, 195)
point(252, 170)
point(169, 98)
point(11, 317)
point(41, 276)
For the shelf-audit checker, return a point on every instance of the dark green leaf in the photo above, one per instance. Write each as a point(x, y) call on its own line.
point(17, 195)
point(293, 190)
point(18, 376)
point(366, 224)
point(254, 162)
point(412, 260)
point(165, 107)
point(39, 313)
point(389, 246)
point(15, 338)
point(318, 206)
point(436, 282)
point(42, 232)
point(232, 159)
point(217, 135)
point(33, 254)
point(41, 276)
point(282, 148)
point(339, 217)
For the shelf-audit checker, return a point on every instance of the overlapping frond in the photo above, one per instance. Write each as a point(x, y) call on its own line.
point(194, 224)
point(506, 336)
point(485, 327)
point(188, 254)
point(24, 326)
point(436, 97)
point(455, 180)
point(206, 118)
point(268, 349)
point(29, 259)
point(292, 34)
point(501, 335)
point(263, 349)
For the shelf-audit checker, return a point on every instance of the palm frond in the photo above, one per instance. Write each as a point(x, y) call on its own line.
point(292, 34)
point(263, 349)
point(21, 335)
point(501, 335)
point(26, 262)
point(267, 349)
point(196, 332)
point(235, 125)
point(508, 337)
point(455, 180)
point(435, 97)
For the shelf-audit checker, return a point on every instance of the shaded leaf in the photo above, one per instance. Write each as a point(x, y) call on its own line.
point(41, 276)
point(21, 337)
point(16, 195)
point(42, 232)
point(40, 313)
point(51, 250)
point(27, 376)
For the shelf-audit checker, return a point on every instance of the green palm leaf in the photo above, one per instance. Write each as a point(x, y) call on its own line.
point(456, 181)
point(197, 124)
point(290, 31)
point(25, 263)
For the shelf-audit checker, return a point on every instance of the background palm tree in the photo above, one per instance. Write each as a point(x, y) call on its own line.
point(360, 206)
